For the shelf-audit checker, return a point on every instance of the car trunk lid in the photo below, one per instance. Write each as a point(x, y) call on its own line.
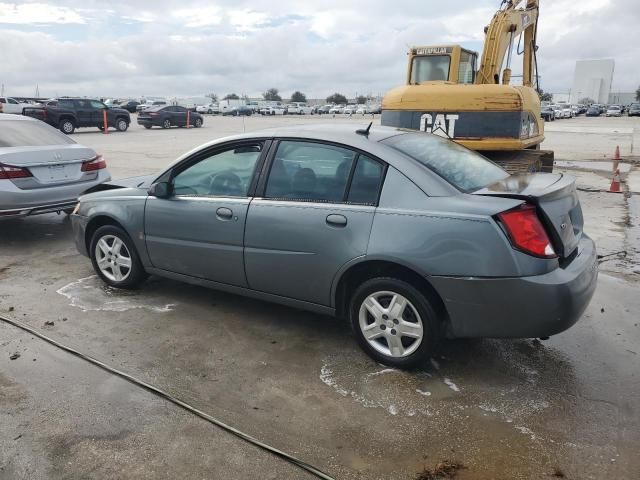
point(49, 165)
point(557, 200)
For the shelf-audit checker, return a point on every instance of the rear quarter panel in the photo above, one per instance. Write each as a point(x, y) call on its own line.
point(445, 236)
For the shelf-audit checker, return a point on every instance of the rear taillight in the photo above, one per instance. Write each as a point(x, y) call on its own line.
point(9, 173)
point(526, 232)
point(97, 163)
point(153, 114)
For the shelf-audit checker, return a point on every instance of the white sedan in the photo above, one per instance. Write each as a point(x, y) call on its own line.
point(210, 108)
point(614, 111)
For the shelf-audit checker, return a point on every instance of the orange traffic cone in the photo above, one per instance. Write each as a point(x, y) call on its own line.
point(615, 182)
point(616, 158)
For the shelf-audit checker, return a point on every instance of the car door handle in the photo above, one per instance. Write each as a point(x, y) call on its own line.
point(224, 213)
point(336, 220)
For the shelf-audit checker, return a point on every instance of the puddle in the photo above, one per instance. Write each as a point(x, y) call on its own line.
point(503, 390)
point(91, 294)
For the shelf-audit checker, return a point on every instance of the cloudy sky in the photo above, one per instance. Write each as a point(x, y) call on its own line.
point(192, 47)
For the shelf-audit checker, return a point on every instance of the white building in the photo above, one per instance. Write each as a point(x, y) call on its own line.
point(592, 79)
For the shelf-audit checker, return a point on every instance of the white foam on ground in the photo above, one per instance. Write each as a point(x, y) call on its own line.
point(381, 372)
point(422, 392)
point(89, 294)
point(450, 384)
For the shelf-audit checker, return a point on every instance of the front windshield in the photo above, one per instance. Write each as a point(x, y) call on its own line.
point(466, 170)
point(430, 68)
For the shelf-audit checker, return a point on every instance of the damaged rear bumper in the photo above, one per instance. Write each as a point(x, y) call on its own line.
point(522, 307)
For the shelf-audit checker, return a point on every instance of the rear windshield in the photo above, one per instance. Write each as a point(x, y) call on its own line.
point(22, 133)
point(466, 170)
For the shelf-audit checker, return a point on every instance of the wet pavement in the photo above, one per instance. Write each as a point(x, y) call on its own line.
point(505, 409)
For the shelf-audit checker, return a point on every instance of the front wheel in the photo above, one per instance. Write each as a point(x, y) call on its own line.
point(198, 123)
point(115, 258)
point(393, 321)
point(166, 123)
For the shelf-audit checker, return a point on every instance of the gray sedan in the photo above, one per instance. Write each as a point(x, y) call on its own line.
point(409, 236)
point(41, 169)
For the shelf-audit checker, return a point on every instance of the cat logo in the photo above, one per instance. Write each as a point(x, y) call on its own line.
point(444, 125)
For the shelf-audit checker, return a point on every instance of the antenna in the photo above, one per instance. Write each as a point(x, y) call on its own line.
point(364, 131)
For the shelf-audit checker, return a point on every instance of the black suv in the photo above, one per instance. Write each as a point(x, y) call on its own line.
point(67, 114)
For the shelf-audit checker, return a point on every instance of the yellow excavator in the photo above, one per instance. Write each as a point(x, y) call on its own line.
point(446, 95)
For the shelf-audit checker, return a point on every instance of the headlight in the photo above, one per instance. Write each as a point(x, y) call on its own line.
point(76, 209)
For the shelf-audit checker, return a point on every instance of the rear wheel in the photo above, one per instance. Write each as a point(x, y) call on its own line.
point(393, 322)
point(115, 258)
point(147, 127)
point(67, 126)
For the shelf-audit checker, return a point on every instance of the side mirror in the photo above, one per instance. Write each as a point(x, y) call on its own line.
point(160, 190)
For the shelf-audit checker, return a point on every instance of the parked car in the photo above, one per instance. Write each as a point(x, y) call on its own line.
point(239, 111)
point(209, 108)
point(408, 235)
point(130, 105)
point(150, 103)
point(548, 114)
point(361, 110)
point(67, 114)
point(634, 110)
point(273, 110)
point(614, 111)
point(324, 109)
point(336, 109)
point(376, 108)
point(567, 112)
point(168, 116)
point(298, 108)
point(558, 113)
point(11, 105)
point(42, 170)
point(349, 109)
point(593, 111)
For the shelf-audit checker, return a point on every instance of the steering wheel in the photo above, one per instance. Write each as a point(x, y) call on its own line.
point(225, 183)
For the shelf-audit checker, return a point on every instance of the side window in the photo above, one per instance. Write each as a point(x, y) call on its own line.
point(12, 101)
point(62, 103)
point(309, 171)
point(2, 100)
point(367, 178)
point(97, 105)
point(82, 104)
point(226, 173)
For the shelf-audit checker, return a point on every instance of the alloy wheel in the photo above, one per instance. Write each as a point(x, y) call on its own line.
point(391, 324)
point(113, 258)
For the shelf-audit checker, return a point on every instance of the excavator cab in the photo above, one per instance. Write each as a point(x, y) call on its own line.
point(448, 63)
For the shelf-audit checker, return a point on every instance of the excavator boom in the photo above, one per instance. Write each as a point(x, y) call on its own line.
point(507, 24)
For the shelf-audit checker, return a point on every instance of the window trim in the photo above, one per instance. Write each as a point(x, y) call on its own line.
point(171, 173)
point(266, 172)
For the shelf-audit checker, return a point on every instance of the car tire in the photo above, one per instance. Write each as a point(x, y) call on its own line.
point(418, 320)
point(166, 123)
point(67, 126)
point(121, 125)
point(148, 127)
point(197, 123)
point(109, 246)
